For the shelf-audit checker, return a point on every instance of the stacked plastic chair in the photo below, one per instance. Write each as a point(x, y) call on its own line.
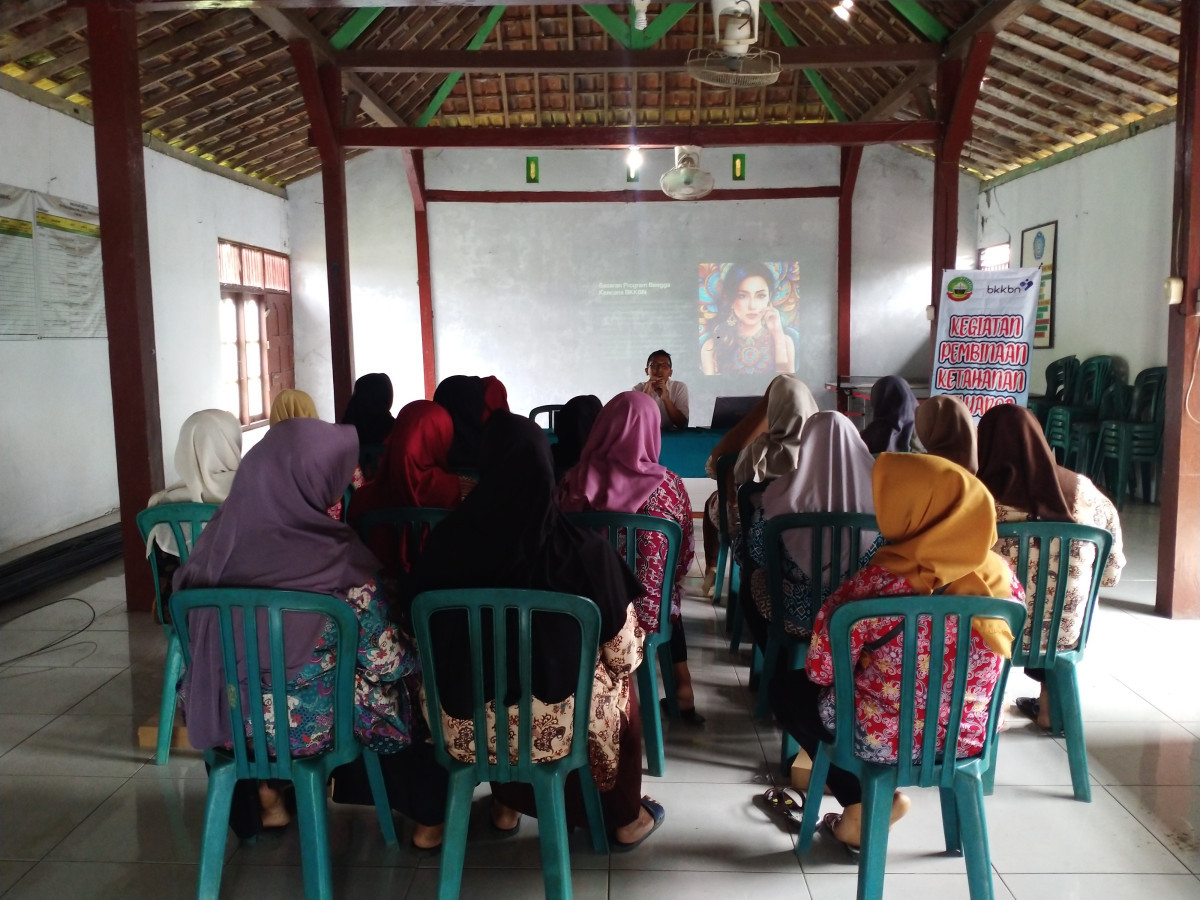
point(1085, 434)
point(1135, 439)
point(1060, 382)
point(1090, 383)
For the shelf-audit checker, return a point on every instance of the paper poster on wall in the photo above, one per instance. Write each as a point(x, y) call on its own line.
point(70, 276)
point(51, 278)
point(985, 336)
point(1039, 247)
point(749, 315)
point(18, 284)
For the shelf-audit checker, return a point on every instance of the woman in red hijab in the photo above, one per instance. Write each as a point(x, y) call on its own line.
point(412, 472)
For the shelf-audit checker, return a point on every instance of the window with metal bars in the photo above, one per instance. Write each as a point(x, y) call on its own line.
point(997, 256)
point(256, 329)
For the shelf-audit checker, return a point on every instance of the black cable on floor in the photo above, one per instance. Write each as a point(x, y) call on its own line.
point(57, 641)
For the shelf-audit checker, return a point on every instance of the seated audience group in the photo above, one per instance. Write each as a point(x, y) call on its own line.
point(510, 495)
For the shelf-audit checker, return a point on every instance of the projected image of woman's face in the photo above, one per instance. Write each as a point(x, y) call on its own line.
point(750, 304)
point(749, 317)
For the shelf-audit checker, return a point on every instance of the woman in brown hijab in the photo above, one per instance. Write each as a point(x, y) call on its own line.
point(1018, 467)
point(945, 428)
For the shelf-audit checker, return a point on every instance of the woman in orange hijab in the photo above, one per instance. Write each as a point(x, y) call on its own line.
point(938, 520)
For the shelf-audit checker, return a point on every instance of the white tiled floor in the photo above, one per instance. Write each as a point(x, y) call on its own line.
point(83, 812)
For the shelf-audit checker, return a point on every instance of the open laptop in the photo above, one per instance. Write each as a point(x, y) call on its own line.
point(728, 411)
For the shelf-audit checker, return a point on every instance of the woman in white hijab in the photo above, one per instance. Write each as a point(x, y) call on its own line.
point(773, 455)
point(206, 458)
point(766, 442)
point(832, 474)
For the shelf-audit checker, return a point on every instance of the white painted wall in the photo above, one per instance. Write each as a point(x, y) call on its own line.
point(383, 269)
point(57, 435)
point(1113, 208)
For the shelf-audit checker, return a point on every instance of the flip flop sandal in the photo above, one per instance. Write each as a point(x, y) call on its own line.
point(784, 803)
point(1029, 707)
point(829, 822)
point(656, 812)
point(688, 716)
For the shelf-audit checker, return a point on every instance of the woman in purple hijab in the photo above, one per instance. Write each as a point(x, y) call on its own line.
point(273, 531)
point(618, 471)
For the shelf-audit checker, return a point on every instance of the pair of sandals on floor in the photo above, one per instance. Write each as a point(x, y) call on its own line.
point(789, 807)
point(652, 806)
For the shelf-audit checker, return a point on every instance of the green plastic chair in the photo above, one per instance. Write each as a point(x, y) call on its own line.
point(960, 781)
point(657, 649)
point(1060, 384)
point(254, 609)
point(550, 411)
point(733, 612)
point(409, 526)
point(1135, 438)
point(511, 609)
point(1045, 621)
point(174, 515)
point(1083, 445)
point(1091, 381)
point(832, 533)
point(746, 495)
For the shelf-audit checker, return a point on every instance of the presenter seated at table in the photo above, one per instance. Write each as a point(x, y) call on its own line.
point(671, 396)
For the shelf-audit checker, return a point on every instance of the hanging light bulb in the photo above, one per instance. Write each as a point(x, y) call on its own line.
point(640, 8)
point(842, 12)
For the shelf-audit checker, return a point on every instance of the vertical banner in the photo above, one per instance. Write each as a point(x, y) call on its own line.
point(985, 336)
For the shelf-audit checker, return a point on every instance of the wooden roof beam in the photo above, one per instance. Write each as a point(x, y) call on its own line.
point(1104, 26)
point(999, 78)
point(74, 20)
point(958, 126)
point(292, 26)
point(1090, 71)
point(1137, 11)
point(1120, 60)
point(168, 44)
point(993, 18)
point(620, 137)
point(561, 61)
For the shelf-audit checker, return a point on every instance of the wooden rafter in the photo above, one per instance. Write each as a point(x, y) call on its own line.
point(1069, 62)
point(1092, 49)
point(1104, 26)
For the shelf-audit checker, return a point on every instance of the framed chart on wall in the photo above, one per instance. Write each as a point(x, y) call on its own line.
point(1039, 247)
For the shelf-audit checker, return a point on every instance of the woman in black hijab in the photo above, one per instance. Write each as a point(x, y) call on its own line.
point(893, 416)
point(370, 408)
point(572, 426)
point(509, 533)
point(470, 400)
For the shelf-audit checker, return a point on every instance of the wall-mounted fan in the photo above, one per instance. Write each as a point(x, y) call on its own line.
point(687, 181)
point(734, 63)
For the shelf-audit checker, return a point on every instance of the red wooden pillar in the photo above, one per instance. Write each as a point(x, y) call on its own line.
point(125, 252)
point(1178, 593)
point(323, 99)
point(851, 157)
point(414, 166)
point(945, 189)
point(958, 89)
